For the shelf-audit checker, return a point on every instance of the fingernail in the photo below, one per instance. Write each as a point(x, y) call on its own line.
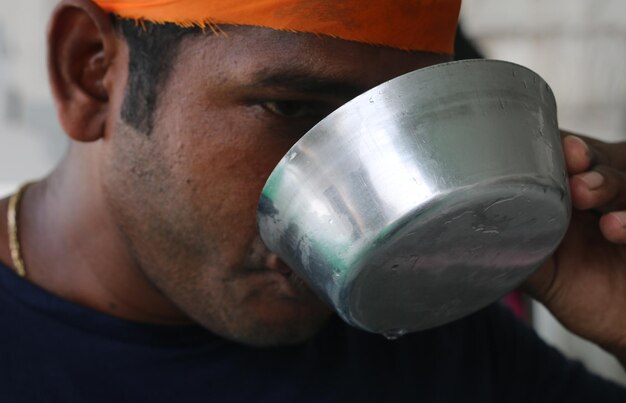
point(578, 140)
point(592, 179)
point(619, 219)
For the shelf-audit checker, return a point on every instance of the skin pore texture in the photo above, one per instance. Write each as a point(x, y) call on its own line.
point(160, 227)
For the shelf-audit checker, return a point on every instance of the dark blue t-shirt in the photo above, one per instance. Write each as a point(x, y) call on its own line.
point(55, 351)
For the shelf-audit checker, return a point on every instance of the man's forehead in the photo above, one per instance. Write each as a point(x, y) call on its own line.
point(262, 57)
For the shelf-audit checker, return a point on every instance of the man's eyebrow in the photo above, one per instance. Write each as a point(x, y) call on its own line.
point(304, 82)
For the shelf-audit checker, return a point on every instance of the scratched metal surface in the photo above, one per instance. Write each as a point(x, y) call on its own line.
point(425, 198)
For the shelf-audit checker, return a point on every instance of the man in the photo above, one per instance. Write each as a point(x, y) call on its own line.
point(144, 278)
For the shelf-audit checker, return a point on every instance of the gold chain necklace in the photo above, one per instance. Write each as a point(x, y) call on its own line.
point(13, 226)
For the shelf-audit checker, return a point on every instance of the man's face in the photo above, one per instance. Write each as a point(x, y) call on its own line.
point(185, 195)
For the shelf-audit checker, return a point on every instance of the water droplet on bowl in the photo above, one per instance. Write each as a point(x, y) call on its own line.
point(394, 334)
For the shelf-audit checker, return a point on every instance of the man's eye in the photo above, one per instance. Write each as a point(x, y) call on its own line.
point(296, 109)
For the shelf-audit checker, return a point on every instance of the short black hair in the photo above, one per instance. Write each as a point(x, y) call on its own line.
point(152, 49)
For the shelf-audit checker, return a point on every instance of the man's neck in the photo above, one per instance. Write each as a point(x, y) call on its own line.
point(72, 247)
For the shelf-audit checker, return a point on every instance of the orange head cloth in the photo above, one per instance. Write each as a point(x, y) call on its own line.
point(426, 25)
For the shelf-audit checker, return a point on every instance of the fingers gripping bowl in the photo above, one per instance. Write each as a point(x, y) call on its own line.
point(425, 198)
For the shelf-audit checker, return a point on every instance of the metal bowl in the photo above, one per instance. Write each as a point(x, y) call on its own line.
point(425, 198)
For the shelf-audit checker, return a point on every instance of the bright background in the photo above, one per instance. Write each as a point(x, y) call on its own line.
point(578, 46)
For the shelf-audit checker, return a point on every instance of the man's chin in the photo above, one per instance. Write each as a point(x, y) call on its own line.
point(280, 326)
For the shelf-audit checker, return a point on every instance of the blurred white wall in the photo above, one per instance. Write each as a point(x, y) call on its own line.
point(579, 48)
point(31, 140)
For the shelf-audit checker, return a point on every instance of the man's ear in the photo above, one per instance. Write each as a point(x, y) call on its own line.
point(81, 48)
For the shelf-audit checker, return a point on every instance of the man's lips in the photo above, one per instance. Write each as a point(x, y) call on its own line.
point(273, 262)
point(291, 284)
point(262, 259)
